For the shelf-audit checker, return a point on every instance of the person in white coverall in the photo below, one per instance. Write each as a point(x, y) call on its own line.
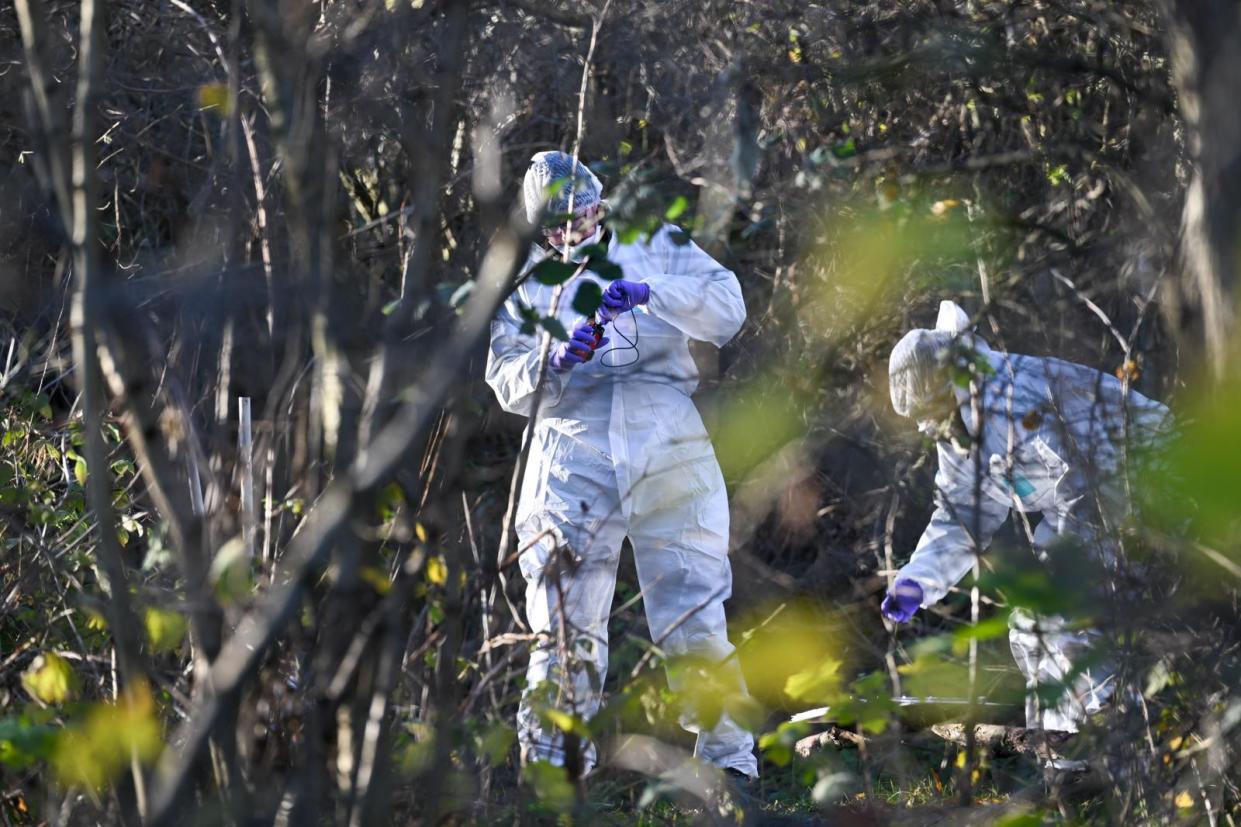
point(619, 450)
point(1037, 435)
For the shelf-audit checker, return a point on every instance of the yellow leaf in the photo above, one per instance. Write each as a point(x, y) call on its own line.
point(819, 683)
point(95, 621)
point(376, 577)
point(1184, 800)
point(421, 532)
point(79, 471)
point(437, 570)
point(95, 751)
point(213, 96)
point(51, 679)
point(563, 720)
point(165, 629)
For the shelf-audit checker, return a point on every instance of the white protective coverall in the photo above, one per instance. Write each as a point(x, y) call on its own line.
point(1051, 433)
point(622, 451)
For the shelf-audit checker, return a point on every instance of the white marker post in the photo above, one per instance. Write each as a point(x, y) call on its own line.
point(245, 456)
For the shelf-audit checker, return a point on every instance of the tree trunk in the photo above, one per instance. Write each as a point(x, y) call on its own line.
point(1204, 46)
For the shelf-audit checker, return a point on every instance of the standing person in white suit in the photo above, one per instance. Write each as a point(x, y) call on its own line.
point(1035, 435)
point(619, 450)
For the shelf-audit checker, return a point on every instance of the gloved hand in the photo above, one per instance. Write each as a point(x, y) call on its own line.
point(902, 601)
point(622, 296)
point(583, 342)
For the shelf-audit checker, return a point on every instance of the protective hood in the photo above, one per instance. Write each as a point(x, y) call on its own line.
point(917, 368)
point(548, 168)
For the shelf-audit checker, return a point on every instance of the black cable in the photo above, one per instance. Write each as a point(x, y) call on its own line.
point(632, 344)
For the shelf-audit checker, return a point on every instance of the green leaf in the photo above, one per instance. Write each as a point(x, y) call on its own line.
point(529, 319)
point(108, 740)
point(496, 742)
point(1021, 820)
point(24, 741)
point(589, 295)
point(609, 270)
point(230, 571)
point(165, 629)
point(550, 271)
point(778, 746)
point(989, 629)
point(550, 783)
point(593, 251)
point(845, 150)
point(676, 208)
point(553, 326)
point(79, 471)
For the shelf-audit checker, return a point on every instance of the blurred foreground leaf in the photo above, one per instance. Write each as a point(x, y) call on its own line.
point(95, 751)
point(550, 784)
point(24, 741)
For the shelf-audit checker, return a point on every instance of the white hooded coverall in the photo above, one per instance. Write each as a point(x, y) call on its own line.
point(622, 452)
point(1051, 436)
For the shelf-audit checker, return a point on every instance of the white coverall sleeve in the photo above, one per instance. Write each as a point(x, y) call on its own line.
point(513, 365)
point(945, 552)
point(694, 293)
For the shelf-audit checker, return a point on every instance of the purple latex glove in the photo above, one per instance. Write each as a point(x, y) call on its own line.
point(622, 296)
point(583, 342)
point(902, 601)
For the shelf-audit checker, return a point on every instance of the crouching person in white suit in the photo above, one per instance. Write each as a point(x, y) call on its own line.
point(1036, 435)
point(619, 450)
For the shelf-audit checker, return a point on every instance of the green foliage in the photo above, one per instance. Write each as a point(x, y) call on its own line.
point(24, 740)
point(554, 326)
point(165, 629)
point(777, 746)
point(587, 298)
point(103, 742)
point(550, 783)
point(230, 572)
point(1198, 478)
point(552, 271)
point(495, 742)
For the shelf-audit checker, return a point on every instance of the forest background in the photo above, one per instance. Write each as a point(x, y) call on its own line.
point(305, 609)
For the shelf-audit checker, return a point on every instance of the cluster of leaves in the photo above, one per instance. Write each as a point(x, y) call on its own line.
point(62, 712)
